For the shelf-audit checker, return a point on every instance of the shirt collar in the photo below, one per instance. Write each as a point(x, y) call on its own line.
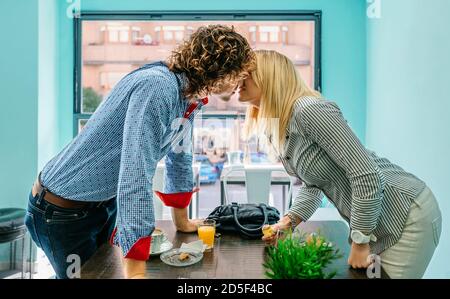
point(183, 84)
point(182, 80)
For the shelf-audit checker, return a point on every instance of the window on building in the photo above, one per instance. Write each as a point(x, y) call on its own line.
point(269, 34)
point(284, 35)
point(252, 31)
point(168, 35)
point(117, 33)
point(173, 33)
point(135, 34)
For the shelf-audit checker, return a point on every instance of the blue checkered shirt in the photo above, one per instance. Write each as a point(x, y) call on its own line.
point(117, 152)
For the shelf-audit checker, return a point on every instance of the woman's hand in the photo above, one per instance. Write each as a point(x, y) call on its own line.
point(283, 224)
point(359, 256)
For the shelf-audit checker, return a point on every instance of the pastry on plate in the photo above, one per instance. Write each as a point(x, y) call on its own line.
point(183, 256)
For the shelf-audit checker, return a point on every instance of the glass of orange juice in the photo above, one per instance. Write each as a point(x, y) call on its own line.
point(206, 232)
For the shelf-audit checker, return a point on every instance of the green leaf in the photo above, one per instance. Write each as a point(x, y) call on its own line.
point(294, 258)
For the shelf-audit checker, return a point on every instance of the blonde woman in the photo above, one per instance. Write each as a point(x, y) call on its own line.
point(390, 212)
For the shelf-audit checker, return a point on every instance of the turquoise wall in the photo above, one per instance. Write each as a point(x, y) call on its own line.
point(343, 49)
point(47, 81)
point(19, 100)
point(28, 118)
point(408, 103)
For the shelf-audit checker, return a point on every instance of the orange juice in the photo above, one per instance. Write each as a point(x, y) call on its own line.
point(206, 234)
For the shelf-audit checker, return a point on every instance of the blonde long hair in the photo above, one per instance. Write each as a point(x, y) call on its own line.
point(281, 85)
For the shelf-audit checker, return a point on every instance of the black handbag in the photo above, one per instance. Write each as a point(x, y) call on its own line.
point(245, 219)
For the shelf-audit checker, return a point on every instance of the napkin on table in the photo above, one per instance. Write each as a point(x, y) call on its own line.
point(196, 246)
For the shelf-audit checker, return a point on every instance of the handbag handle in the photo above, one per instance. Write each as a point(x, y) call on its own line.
point(235, 208)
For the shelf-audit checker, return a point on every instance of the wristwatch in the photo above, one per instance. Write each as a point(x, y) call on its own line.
point(294, 220)
point(359, 238)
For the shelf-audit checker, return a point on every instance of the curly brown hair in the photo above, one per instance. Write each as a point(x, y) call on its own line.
point(213, 57)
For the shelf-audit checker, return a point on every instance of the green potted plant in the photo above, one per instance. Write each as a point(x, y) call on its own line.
point(301, 257)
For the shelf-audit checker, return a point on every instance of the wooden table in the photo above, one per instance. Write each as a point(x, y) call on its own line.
point(232, 257)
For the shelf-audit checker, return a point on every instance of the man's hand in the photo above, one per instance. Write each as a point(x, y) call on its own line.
point(191, 226)
point(133, 269)
point(182, 222)
point(359, 256)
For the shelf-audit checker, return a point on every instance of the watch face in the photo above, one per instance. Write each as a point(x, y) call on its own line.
point(359, 238)
point(356, 237)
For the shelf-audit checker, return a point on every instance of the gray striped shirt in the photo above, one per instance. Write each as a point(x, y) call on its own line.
point(371, 193)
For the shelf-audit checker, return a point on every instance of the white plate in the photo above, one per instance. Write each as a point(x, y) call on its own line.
point(172, 258)
point(166, 246)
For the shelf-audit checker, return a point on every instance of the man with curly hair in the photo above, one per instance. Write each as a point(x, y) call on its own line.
point(99, 187)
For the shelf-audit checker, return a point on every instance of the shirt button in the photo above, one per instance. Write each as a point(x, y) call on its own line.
point(288, 158)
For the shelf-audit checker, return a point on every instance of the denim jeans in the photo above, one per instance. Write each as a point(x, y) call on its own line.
point(69, 237)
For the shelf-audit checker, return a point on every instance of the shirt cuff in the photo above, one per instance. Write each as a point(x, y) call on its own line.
point(139, 251)
point(178, 200)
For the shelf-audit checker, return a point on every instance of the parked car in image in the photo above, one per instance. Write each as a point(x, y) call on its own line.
point(209, 173)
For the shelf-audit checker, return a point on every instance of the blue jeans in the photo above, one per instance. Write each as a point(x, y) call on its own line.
point(61, 232)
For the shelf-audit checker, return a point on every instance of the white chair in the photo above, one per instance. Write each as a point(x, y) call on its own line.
point(257, 179)
point(158, 185)
point(196, 197)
